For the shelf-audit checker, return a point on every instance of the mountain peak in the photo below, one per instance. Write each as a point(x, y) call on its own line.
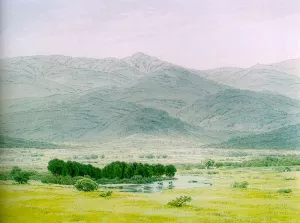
point(139, 54)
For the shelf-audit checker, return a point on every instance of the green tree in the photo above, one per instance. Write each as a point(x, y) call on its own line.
point(170, 170)
point(209, 163)
point(55, 166)
point(159, 170)
point(19, 175)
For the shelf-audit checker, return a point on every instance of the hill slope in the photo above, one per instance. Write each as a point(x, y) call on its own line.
point(284, 138)
point(281, 78)
point(242, 110)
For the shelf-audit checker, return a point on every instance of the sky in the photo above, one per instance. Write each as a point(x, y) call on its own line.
point(198, 34)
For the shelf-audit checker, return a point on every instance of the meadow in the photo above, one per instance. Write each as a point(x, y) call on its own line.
point(260, 202)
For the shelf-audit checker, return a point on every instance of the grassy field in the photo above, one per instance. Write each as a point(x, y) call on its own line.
point(219, 203)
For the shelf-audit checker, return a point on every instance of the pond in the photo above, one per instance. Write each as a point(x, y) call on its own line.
point(181, 182)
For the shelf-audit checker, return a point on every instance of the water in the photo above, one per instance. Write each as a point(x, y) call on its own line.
point(181, 182)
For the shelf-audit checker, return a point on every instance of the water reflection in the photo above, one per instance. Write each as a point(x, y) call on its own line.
point(181, 182)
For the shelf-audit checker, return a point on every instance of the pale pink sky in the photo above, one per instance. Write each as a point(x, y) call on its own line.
point(194, 33)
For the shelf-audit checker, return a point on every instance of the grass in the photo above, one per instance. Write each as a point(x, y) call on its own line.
point(261, 202)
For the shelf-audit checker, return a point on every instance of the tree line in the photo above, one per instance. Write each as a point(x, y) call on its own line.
point(120, 170)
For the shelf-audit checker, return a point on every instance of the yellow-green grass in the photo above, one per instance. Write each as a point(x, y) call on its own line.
point(219, 203)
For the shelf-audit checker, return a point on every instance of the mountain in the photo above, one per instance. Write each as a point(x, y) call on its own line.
point(88, 118)
point(9, 142)
point(39, 76)
point(147, 64)
point(169, 89)
point(284, 138)
point(280, 78)
point(242, 110)
point(66, 99)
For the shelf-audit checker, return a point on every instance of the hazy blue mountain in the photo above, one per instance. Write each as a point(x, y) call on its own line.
point(280, 78)
point(242, 110)
point(284, 138)
point(168, 89)
point(9, 142)
point(147, 64)
point(88, 118)
point(40, 76)
point(59, 98)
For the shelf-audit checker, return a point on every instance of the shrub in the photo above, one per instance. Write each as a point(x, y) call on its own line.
point(238, 154)
point(212, 172)
point(63, 180)
point(209, 163)
point(285, 191)
point(106, 194)
point(149, 156)
point(290, 178)
point(243, 184)
point(15, 170)
point(180, 201)
point(21, 177)
point(86, 185)
point(284, 169)
point(93, 156)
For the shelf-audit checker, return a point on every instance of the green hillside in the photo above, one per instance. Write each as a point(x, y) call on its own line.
point(283, 138)
point(59, 98)
point(242, 110)
point(9, 142)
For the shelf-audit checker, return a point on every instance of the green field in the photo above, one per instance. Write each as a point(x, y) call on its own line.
point(260, 202)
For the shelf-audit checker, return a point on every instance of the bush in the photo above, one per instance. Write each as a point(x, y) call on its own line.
point(212, 172)
point(180, 201)
point(290, 178)
point(238, 154)
point(63, 180)
point(285, 191)
point(86, 185)
point(243, 184)
point(15, 170)
point(19, 175)
point(284, 169)
point(106, 194)
point(209, 163)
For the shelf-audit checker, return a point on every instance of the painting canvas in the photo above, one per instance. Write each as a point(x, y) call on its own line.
point(150, 111)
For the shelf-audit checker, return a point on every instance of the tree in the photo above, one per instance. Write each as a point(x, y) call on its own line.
point(19, 175)
point(158, 170)
point(209, 163)
point(170, 170)
point(15, 170)
point(86, 185)
point(56, 166)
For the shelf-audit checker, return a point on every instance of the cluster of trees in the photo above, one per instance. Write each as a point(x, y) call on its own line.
point(73, 168)
point(283, 160)
point(120, 170)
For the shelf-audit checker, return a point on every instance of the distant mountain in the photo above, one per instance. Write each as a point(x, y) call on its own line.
point(66, 99)
point(39, 76)
point(284, 138)
point(9, 142)
point(169, 89)
point(243, 111)
point(147, 64)
point(281, 78)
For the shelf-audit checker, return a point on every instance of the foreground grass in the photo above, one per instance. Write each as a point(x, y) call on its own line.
point(220, 203)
